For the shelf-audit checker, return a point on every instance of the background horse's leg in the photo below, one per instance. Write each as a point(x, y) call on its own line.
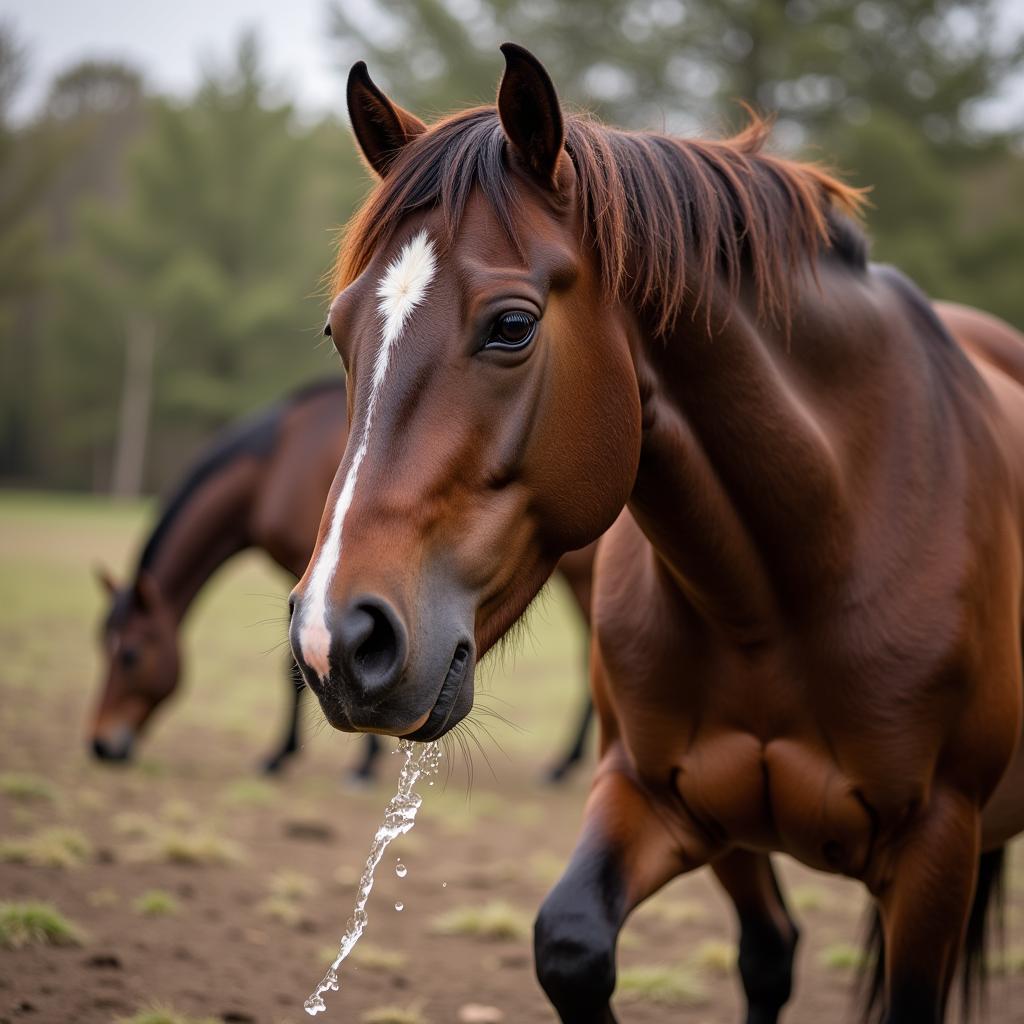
point(574, 754)
point(625, 853)
point(925, 907)
point(366, 767)
point(768, 935)
point(290, 743)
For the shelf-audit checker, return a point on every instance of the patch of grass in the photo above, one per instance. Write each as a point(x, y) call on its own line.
point(810, 897)
point(178, 811)
point(1010, 961)
point(102, 898)
point(716, 956)
point(27, 787)
point(546, 868)
point(496, 920)
point(677, 911)
point(394, 1015)
point(291, 885)
point(133, 825)
point(375, 958)
point(36, 924)
point(49, 848)
point(666, 986)
point(841, 956)
point(158, 1014)
point(282, 910)
point(192, 848)
point(156, 903)
point(250, 792)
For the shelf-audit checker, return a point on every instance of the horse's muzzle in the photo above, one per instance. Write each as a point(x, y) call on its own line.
point(380, 678)
point(117, 745)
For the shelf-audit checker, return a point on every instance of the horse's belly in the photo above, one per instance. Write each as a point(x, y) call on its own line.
point(782, 795)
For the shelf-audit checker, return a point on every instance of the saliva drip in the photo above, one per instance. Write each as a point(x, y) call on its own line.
point(421, 760)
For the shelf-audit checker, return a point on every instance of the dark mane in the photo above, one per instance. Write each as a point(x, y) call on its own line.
point(665, 215)
point(254, 435)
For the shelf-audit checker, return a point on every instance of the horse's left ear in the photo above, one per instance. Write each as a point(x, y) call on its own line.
point(530, 112)
point(381, 127)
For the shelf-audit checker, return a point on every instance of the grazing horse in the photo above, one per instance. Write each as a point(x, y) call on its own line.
point(261, 484)
point(807, 611)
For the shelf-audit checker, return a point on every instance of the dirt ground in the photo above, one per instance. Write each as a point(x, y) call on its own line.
point(210, 892)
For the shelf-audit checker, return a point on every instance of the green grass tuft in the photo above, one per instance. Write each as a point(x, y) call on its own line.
point(36, 924)
point(49, 848)
point(292, 885)
point(27, 787)
point(666, 986)
point(156, 903)
point(191, 848)
point(810, 897)
point(250, 793)
point(394, 1015)
point(496, 920)
point(158, 1014)
point(841, 956)
point(375, 958)
point(716, 956)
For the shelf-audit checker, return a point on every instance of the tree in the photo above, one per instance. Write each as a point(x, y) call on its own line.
point(204, 273)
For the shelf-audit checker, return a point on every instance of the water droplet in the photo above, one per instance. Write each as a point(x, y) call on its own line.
point(401, 870)
point(399, 906)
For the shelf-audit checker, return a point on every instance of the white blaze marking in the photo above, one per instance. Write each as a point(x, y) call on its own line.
point(400, 291)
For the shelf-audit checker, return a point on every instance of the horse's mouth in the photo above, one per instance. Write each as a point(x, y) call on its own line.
point(439, 721)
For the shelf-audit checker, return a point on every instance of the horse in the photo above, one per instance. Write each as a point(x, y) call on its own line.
point(807, 605)
point(260, 484)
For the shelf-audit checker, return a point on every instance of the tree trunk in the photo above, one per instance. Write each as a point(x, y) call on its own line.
point(136, 403)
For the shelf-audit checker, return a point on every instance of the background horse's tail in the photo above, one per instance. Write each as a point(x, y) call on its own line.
point(987, 906)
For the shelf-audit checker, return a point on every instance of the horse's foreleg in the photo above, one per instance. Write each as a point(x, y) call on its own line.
point(768, 935)
point(289, 744)
point(924, 907)
point(623, 856)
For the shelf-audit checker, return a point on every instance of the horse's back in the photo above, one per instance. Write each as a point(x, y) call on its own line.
point(311, 435)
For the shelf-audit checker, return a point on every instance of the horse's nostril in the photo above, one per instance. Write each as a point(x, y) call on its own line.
point(291, 606)
point(372, 642)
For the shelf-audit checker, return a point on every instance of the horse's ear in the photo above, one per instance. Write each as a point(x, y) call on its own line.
point(530, 112)
point(106, 580)
point(381, 127)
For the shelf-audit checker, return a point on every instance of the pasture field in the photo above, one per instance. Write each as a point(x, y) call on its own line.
point(186, 887)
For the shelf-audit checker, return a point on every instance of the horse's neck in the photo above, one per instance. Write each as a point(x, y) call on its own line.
point(210, 526)
point(740, 487)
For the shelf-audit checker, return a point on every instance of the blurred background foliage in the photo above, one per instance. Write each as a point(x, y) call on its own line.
point(161, 258)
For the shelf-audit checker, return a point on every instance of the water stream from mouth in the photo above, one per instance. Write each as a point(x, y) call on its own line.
point(421, 760)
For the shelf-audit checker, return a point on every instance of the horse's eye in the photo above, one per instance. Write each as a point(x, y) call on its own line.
point(129, 657)
point(511, 331)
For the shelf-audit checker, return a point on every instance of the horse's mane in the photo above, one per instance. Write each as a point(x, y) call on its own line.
point(665, 215)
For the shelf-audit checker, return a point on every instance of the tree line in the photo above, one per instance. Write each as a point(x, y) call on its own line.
point(161, 257)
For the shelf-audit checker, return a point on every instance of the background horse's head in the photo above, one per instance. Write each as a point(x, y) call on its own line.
point(495, 418)
point(139, 642)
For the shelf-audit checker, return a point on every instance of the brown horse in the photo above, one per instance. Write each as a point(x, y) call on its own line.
point(261, 484)
point(807, 613)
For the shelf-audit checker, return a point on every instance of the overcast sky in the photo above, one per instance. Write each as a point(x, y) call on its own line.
point(170, 39)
